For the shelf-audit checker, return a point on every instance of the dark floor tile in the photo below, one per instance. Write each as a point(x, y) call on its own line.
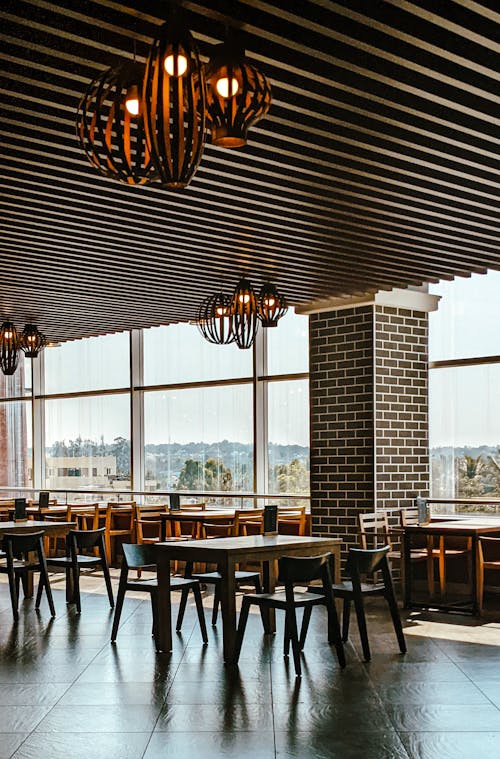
point(455, 745)
point(237, 691)
point(444, 718)
point(100, 719)
point(39, 674)
point(84, 745)
point(9, 742)
point(212, 745)
point(336, 745)
point(401, 671)
point(239, 717)
point(115, 693)
point(330, 716)
point(415, 692)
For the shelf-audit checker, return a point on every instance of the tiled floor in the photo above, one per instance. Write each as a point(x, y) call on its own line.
point(65, 691)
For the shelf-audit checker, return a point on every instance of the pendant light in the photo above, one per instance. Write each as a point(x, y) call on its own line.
point(271, 305)
point(174, 91)
point(215, 319)
point(238, 95)
point(32, 342)
point(9, 348)
point(244, 308)
point(110, 125)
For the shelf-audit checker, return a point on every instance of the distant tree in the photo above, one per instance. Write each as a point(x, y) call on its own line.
point(191, 476)
point(213, 476)
point(292, 477)
point(120, 449)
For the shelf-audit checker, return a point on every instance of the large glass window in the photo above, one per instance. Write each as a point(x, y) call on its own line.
point(199, 439)
point(179, 353)
point(288, 345)
point(98, 363)
point(17, 385)
point(16, 444)
point(288, 436)
point(87, 443)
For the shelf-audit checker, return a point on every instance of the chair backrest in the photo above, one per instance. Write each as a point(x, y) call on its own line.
point(409, 516)
point(193, 506)
point(295, 516)
point(118, 509)
point(248, 522)
point(303, 569)
point(85, 539)
point(22, 543)
point(148, 521)
point(373, 530)
point(217, 529)
point(139, 556)
point(361, 561)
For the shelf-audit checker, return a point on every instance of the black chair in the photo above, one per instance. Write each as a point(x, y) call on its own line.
point(143, 557)
point(19, 549)
point(74, 561)
point(362, 562)
point(215, 578)
point(296, 570)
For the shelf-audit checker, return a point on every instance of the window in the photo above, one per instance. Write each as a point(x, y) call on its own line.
point(88, 434)
point(98, 363)
point(288, 436)
point(288, 345)
point(199, 439)
point(17, 385)
point(16, 468)
point(179, 353)
point(464, 399)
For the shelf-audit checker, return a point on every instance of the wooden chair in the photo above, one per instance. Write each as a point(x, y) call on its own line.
point(361, 562)
point(78, 541)
point(446, 548)
point(292, 520)
point(148, 523)
point(292, 571)
point(488, 558)
point(119, 522)
point(248, 522)
point(218, 530)
point(142, 557)
point(25, 545)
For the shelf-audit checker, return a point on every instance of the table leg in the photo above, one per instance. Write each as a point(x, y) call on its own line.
point(407, 570)
point(269, 573)
point(474, 573)
point(163, 637)
point(228, 609)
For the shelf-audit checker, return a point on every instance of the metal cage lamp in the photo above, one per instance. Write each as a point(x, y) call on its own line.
point(271, 305)
point(245, 320)
point(110, 125)
point(9, 348)
point(238, 95)
point(215, 319)
point(32, 342)
point(174, 91)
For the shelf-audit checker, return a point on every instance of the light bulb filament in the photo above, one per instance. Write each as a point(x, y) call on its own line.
point(222, 87)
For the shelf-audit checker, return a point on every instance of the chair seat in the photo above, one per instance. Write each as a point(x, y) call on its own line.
point(366, 588)
point(21, 566)
point(491, 564)
point(239, 576)
point(82, 561)
point(278, 599)
point(176, 583)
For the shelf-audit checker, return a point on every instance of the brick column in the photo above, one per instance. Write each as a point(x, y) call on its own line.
point(368, 391)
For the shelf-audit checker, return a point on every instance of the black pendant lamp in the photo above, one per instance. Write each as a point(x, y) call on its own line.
point(9, 348)
point(238, 95)
point(32, 342)
point(245, 320)
point(215, 319)
point(110, 125)
point(174, 91)
point(271, 305)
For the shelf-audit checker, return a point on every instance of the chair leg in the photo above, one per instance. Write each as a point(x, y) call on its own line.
point(442, 567)
point(334, 634)
point(182, 609)
point(215, 609)
point(154, 611)
point(44, 575)
point(257, 584)
point(245, 608)
point(286, 639)
point(360, 615)
point(346, 615)
point(107, 578)
point(14, 595)
point(201, 613)
point(305, 626)
point(118, 610)
point(39, 592)
point(396, 619)
point(292, 627)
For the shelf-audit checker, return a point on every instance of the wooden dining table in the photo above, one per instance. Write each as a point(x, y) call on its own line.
point(226, 553)
point(197, 516)
point(463, 528)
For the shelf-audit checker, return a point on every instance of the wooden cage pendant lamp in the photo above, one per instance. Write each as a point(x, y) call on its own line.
point(149, 125)
point(9, 348)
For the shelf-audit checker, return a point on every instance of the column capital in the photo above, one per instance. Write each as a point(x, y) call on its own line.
point(413, 300)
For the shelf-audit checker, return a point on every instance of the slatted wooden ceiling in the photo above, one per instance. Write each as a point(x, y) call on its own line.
point(377, 165)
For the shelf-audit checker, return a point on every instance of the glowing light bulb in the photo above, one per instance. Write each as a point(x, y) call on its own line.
point(221, 311)
point(222, 87)
point(269, 302)
point(176, 65)
point(244, 298)
point(132, 103)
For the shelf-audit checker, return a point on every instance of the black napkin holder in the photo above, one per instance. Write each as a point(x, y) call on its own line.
point(270, 519)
